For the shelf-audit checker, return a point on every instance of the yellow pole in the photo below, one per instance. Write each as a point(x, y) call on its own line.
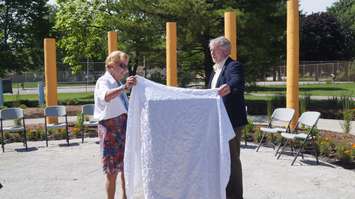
point(112, 41)
point(171, 77)
point(50, 70)
point(230, 31)
point(292, 100)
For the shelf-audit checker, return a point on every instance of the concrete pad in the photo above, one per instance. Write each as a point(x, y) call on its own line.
point(74, 172)
point(266, 177)
point(56, 172)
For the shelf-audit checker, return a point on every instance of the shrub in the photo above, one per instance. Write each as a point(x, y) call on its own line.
point(274, 138)
point(35, 134)
point(324, 146)
point(315, 132)
point(13, 137)
point(347, 102)
point(249, 128)
point(348, 117)
point(344, 152)
point(79, 120)
point(75, 131)
point(269, 109)
point(71, 101)
point(305, 102)
point(278, 101)
point(58, 134)
point(23, 106)
point(257, 135)
point(22, 103)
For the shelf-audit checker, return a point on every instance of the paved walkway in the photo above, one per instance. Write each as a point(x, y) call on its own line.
point(269, 83)
point(74, 172)
point(323, 124)
point(62, 89)
point(313, 97)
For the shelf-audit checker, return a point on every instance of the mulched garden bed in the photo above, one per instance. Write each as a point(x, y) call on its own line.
point(35, 112)
point(338, 137)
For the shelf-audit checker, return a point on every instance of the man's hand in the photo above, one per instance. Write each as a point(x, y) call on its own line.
point(130, 82)
point(224, 90)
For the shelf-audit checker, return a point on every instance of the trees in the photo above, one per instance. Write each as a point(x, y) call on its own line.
point(262, 35)
point(324, 38)
point(197, 22)
point(81, 29)
point(261, 31)
point(23, 25)
point(83, 26)
point(141, 28)
point(344, 11)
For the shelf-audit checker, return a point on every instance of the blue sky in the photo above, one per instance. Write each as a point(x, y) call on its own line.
point(309, 6)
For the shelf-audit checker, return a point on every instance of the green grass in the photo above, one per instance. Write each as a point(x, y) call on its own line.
point(311, 89)
point(61, 97)
point(257, 98)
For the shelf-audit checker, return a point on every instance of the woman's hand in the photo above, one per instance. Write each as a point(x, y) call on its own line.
point(130, 82)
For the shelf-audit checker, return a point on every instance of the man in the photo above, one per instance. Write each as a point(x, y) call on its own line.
point(228, 77)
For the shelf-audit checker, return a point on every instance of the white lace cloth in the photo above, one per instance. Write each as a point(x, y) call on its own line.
point(176, 143)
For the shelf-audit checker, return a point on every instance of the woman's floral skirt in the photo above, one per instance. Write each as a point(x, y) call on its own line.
point(112, 134)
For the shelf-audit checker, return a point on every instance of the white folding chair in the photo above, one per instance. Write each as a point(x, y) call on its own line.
point(12, 114)
point(87, 110)
point(279, 122)
point(55, 111)
point(303, 132)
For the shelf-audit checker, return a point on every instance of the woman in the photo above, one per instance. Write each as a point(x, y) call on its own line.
point(111, 112)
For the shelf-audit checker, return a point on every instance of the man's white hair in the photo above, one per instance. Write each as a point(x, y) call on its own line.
point(221, 42)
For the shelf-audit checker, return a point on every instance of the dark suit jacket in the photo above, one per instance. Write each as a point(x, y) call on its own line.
point(233, 75)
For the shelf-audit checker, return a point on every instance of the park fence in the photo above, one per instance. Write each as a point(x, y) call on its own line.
point(321, 71)
point(308, 71)
point(90, 72)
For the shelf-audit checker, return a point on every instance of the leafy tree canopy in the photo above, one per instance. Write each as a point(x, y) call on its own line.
point(344, 11)
point(24, 25)
point(324, 38)
point(141, 26)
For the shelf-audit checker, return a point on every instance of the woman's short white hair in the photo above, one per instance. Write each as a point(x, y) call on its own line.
point(221, 42)
point(115, 57)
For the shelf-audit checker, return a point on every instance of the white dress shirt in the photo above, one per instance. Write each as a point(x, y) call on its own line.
point(106, 110)
point(217, 71)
